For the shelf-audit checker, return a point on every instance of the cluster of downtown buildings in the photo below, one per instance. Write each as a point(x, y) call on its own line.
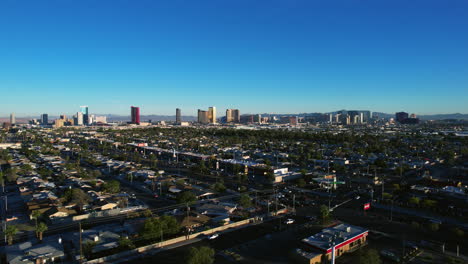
point(233, 116)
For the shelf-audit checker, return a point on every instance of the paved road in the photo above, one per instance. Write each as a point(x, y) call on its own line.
point(407, 211)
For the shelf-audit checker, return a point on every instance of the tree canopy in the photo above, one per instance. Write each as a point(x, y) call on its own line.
point(111, 186)
point(369, 256)
point(186, 197)
point(201, 255)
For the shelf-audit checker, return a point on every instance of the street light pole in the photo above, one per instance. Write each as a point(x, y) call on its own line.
point(333, 253)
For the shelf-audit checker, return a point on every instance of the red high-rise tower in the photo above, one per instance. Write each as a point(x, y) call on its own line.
point(135, 115)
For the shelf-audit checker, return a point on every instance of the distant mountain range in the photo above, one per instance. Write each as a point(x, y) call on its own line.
point(457, 116)
point(144, 118)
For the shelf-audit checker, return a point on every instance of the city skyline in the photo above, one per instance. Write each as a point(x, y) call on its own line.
point(294, 57)
point(219, 112)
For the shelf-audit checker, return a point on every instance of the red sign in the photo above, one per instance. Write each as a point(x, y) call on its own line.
point(366, 206)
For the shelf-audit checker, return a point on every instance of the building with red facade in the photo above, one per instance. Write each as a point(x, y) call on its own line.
point(342, 237)
point(135, 112)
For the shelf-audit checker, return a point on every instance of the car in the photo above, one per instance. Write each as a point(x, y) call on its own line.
point(213, 236)
point(289, 221)
point(155, 196)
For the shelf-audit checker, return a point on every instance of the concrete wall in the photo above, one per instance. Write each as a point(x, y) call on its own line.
point(169, 242)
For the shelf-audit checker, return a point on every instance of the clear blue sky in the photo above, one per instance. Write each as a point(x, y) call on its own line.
point(280, 56)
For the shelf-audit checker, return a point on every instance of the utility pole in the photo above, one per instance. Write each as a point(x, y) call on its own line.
point(81, 243)
point(294, 203)
point(391, 212)
point(276, 199)
point(256, 199)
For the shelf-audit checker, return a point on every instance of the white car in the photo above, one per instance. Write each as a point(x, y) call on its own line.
point(213, 236)
point(289, 221)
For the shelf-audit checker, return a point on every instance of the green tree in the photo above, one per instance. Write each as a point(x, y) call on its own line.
point(158, 226)
point(40, 229)
point(270, 176)
point(201, 255)
point(414, 201)
point(370, 256)
point(88, 248)
point(10, 232)
point(434, 227)
point(2, 179)
point(126, 243)
point(26, 168)
point(387, 196)
point(458, 232)
point(112, 186)
point(324, 214)
point(186, 197)
point(219, 187)
point(11, 174)
point(35, 215)
point(76, 196)
point(245, 201)
point(147, 213)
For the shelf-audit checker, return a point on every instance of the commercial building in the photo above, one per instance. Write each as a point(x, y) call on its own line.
point(135, 113)
point(247, 119)
point(100, 119)
point(292, 120)
point(44, 119)
point(212, 114)
point(12, 118)
point(232, 116)
point(339, 239)
point(401, 116)
point(257, 118)
point(84, 111)
point(203, 117)
point(78, 119)
point(178, 116)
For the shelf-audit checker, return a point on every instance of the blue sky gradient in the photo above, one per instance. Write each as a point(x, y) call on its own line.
point(275, 56)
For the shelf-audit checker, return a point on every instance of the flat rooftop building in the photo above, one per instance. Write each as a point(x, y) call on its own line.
point(345, 238)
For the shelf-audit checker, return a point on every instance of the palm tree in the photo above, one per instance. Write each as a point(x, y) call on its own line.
point(40, 229)
point(35, 215)
point(11, 231)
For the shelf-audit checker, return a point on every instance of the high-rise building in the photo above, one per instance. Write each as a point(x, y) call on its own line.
point(355, 117)
point(178, 116)
point(232, 116)
point(203, 117)
point(91, 119)
point(135, 112)
point(400, 117)
point(212, 114)
point(78, 120)
point(366, 116)
point(84, 111)
point(12, 118)
point(257, 118)
point(44, 119)
point(100, 119)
